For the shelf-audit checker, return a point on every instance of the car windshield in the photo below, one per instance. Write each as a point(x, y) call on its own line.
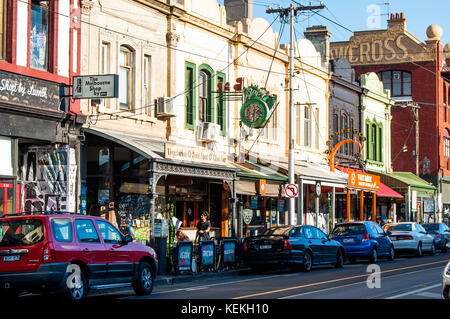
point(430, 227)
point(349, 229)
point(23, 232)
point(400, 227)
point(276, 231)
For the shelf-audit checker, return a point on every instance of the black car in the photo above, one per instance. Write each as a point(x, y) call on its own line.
point(294, 246)
point(440, 233)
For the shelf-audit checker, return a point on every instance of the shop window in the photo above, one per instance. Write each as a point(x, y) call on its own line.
point(307, 126)
point(6, 198)
point(221, 112)
point(298, 124)
point(398, 82)
point(335, 127)
point(3, 24)
point(104, 66)
point(126, 75)
point(146, 85)
point(189, 95)
point(205, 84)
point(39, 34)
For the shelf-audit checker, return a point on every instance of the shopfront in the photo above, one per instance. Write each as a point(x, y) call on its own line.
point(135, 180)
point(39, 143)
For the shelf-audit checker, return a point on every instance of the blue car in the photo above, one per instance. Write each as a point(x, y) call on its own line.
point(364, 239)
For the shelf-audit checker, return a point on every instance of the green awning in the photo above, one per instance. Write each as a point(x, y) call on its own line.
point(400, 181)
point(254, 171)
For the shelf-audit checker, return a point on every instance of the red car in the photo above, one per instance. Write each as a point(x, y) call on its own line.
point(70, 254)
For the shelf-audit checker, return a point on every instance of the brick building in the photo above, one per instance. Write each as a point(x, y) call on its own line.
point(412, 70)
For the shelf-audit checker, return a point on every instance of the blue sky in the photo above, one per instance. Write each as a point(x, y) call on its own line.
point(359, 15)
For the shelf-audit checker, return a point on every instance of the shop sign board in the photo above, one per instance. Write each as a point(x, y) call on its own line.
point(414, 201)
point(247, 215)
point(428, 206)
point(194, 154)
point(184, 256)
point(207, 253)
point(24, 90)
point(364, 181)
point(96, 86)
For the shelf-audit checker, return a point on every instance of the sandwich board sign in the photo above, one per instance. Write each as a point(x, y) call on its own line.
point(96, 86)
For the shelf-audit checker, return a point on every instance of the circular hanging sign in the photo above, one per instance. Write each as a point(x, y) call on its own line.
point(254, 113)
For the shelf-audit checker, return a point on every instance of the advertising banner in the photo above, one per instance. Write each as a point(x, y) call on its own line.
point(229, 252)
point(184, 256)
point(207, 253)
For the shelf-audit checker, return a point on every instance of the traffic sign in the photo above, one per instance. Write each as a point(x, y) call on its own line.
point(291, 190)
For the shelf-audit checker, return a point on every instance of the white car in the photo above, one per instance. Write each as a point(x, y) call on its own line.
point(410, 237)
point(446, 282)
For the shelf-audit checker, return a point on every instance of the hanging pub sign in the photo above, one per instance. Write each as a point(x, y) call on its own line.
point(96, 86)
point(255, 110)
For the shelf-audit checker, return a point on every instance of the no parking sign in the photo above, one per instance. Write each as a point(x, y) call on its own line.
point(291, 190)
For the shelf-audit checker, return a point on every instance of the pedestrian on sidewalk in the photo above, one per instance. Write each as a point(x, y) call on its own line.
point(203, 228)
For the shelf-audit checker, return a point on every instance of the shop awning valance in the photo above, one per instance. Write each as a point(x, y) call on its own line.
point(148, 147)
point(400, 181)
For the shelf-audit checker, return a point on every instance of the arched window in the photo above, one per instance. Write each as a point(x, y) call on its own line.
point(126, 75)
point(398, 82)
point(205, 84)
point(446, 143)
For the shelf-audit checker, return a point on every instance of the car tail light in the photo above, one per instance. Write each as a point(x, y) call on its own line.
point(404, 237)
point(245, 248)
point(49, 255)
point(437, 236)
point(366, 237)
point(287, 245)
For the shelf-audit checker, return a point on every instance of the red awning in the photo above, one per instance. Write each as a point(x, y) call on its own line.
point(385, 191)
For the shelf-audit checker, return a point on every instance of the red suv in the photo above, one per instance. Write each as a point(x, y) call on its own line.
point(70, 254)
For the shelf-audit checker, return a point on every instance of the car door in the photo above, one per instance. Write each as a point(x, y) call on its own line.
point(313, 242)
point(92, 251)
point(120, 258)
point(446, 232)
point(427, 240)
point(382, 238)
point(328, 249)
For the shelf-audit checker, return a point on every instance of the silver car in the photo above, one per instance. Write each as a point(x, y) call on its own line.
point(441, 234)
point(410, 237)
point(446, 282)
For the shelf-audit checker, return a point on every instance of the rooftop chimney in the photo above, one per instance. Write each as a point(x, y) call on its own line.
point(397, 21)
point(320, 35)
point(238, 9)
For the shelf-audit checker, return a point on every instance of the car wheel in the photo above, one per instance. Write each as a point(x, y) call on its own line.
point(444, 249)
point(433, 249)
point(339, 259)
point(76, 284)
point(391, 256)
point(419, 251)
point(143, 285)
point(374, 257)
point(307, 262)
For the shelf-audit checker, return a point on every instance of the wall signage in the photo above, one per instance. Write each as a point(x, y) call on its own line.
point(194, 154)
point(28, 91)
point(363, 180)
point(96, 86)
point(255, 111)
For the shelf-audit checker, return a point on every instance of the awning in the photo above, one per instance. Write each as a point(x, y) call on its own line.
point(386, 191)
point(400, 181)
point(145, 146)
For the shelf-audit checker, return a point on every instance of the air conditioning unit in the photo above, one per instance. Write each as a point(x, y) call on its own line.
point(164, 107)
point(209, 132)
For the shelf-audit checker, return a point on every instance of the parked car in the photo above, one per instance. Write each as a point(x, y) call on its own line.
point(446, 282)
point(441, 234)
point(410, 237)
point(363, 239)
point(294, 246)
point(70, 254)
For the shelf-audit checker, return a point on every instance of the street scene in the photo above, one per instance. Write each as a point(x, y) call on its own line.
point(224, 151)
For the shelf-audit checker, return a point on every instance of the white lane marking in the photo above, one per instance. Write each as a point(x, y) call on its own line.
point(414, 291)
point(433, 295)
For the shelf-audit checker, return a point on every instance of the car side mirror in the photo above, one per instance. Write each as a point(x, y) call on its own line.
point(388, 233)
point(128, 239)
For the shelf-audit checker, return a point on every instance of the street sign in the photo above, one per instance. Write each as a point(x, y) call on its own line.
point(291, 190)
point(364, 181)
point(96, 86)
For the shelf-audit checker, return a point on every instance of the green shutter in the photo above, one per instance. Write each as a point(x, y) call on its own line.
point(190, 96)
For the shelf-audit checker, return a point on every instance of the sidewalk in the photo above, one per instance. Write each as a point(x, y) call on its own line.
point(168, 280)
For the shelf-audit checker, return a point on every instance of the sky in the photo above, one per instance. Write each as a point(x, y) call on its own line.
point(362, 15)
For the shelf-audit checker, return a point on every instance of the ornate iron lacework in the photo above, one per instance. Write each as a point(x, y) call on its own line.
point(165, 168)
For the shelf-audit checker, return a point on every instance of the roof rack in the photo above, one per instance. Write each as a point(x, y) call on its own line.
point(41, 213)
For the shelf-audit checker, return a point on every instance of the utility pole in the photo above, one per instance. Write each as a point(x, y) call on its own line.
point(284, 12)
